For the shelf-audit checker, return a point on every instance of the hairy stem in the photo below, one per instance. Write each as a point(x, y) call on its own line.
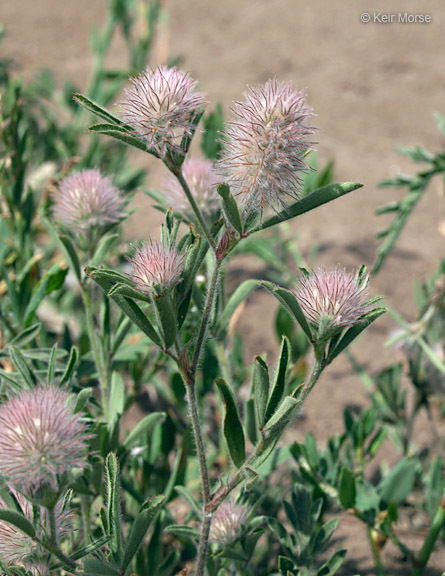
point(196, 210)
point(100, 366)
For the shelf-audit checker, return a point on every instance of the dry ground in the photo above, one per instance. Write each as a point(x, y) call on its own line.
point(373, 86)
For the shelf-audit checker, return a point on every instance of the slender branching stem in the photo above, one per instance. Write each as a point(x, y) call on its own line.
point(196, 210)
point(100, 366)
point(380, 571)
point(51, 543)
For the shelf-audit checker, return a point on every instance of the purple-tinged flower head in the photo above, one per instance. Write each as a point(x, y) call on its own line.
point(18, 549)
point(156, 268)
point(87, 200)
point(336, 294)
point(41, 439)
point(202, 181)
point(228, 522)
point(15, 546)
point(262, 159)
point(161, 106)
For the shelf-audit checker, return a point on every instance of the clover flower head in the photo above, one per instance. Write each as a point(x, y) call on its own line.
point(227, 522)
point(262, 160)
point(160, 107)
point(15, 545)
point(202, 180)
point(18, 549)
point(156, 267)
point(42, 438)
point(340, 295)
point(87, 200)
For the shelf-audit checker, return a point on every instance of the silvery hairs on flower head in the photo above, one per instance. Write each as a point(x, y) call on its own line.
point(262, 159)
point(86, 200)
point(160, 107)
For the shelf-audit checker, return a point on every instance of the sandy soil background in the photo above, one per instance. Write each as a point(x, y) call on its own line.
point(373, 86)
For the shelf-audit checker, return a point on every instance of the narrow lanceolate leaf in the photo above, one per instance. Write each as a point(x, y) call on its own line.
point(141, 524)
point(25, 336)
point(352, 333)
point(74, 356)
point(52, 280)
point(235, 300)
point(166, 317)
point(142, 428)
point(51, 365)
point(279, 379)
point(96, 567)
point(22, 367)
point(66, 247)
point(290, 304)
point(232, 427)
point(260, 389)
point(114, 506)
point(129, 307)
point(123, 134)
point(18, 520)
point(96, 109)
point(317, 198)
point(283, 415)
point(230, 207)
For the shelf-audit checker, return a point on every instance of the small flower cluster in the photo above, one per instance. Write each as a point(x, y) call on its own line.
point(156, 268)
point(335, 294)
point(41, 439)
point(87, 200)
point(263, 156)
point(161, 106)
point(228, 522)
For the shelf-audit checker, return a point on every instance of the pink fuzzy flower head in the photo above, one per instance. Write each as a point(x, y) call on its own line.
point(41, 439)
point(227, 522)
point(160, 107)
point(336, 294)
point(202, 181)
point(87, 200)
point(263, 157)
point(18, 549)
point(155, 268)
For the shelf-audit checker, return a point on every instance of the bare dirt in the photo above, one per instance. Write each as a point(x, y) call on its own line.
point(373, 86)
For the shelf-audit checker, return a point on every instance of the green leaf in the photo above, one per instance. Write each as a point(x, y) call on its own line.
point(123, 134)
point(128, 292)
point(96, 109)
point(283, 415)
point(278, 386)
point(82, 399)
point(346, 488)
point(290, 304)
point(415, 153)
point(333, 565)
point(51, 365)
point(260, 389)
point(435, 487)
point(18, 520)
point(129, 307)
point(183, 531)
point(74, 356)
point(22, 367)
point(66, 246)
point(96, 567)
point(310, 202)
point(25, 336)
point(399, 482)
point(352, 333)
point(324, 535)
point(52, 280)
point(251, 421)
point(117, 399)
point(230, 207)
point(166, 317)
point(232, 427)
point(113, 511)
point(142, 428)
point(141, 524)
point(213, 123)
point(240, 294)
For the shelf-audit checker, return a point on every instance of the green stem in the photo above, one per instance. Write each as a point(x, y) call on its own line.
point(100, 367)
point(376, 555)
point(195, 209)
point(433, 533)
point(51, 543)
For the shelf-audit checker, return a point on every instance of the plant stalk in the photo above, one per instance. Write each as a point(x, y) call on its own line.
point(433, 533)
